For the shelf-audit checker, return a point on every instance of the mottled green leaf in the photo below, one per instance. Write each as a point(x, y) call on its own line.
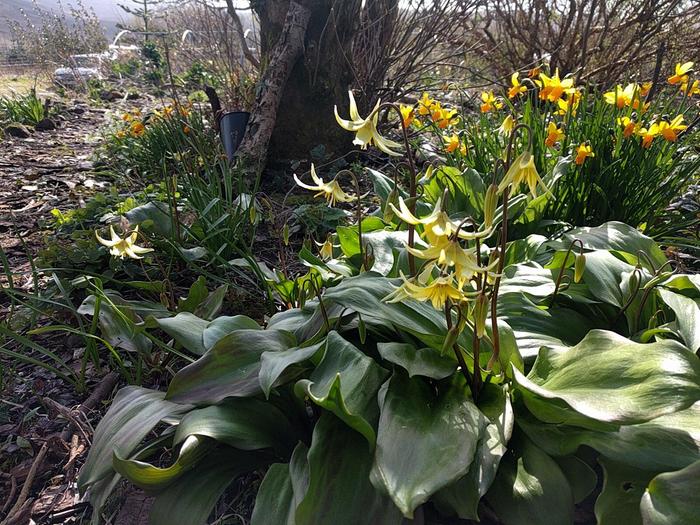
point(672, 498)
point(273, 365)
point(426, 362)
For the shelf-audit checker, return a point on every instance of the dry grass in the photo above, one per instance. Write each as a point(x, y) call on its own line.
point(21, 80)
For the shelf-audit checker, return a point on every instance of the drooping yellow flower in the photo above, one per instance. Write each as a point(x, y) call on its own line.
point(424, 104)
point(516, 88)
point(331, 191)
point(670, 130)
point(554, 135)
point(366, 129)
point(125, 247)
point(436, 225)
point(449, 255)
point(620, 97)
point(553, 88)
point(648, 134)
point(583, 152)
point(489, 102)
point(325, 249)
point(408, 114)
point(523, 169)
point(629, 126)
point(438, 292)
point(137, 128)
point(507, 126)
point(681, 73)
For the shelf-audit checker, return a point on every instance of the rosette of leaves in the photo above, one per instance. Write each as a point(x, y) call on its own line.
point(358, 417)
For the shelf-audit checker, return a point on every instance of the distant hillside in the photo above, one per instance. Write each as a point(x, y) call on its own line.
point(106, 11)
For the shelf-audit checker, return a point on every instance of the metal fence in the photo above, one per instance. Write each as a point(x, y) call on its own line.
point(11, 57)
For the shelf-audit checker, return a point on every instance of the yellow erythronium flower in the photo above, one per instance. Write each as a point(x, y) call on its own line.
point(582, 152)
point(438, 292)
point(670, 130)
point(437, 224)
point(629, 96)
point(681, 73)
point(325, 249)
point(424, 104)
point(125, 247)
point(365, 129)
point(554, 135)
point(629, 126)
point(553, 88)
point(516, 88)
point(489, 102)
point(447, 253)
point(523, 170)
point(331, 191)
point(507, 126)
point(408, 114)
point(648, 134)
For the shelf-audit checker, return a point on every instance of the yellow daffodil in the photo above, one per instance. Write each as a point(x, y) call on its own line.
point(670, 130)
point(629, 96)
point(438, 292)
point(125, 247)
point(408, 114)
point(648, 134)
point(444, 117)
point(554, 135)
point(120, 134)
point(644, 88)
point(489, 102)
point(126, 117)
point(331, 191)
point(424, 104)
point(516, 88)
point(523, 170)
point(507, 126)
point(366, 129)
point(534, 72)
point(583, 152)
point(681, 73)
point(629, 126)
point(452, 143)
point(692, 89)
point(570, 103)
point(553, 88)
point(137, 128)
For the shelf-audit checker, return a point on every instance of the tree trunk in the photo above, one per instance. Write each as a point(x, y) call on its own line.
point(301, 85)
point(283, 56)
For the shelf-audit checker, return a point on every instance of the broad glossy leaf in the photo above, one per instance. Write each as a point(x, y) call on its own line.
point(339, 491)
point(346, 382)
point(191, 498)
point(622, 491)
point(383, 245)
point(530, 488)
point(524, 250)
point(672, 498)
point(688, 285)
point(424, 442)
point(197, 293)
point(603, 275)
point(211, 306)
point(687, 312)
point(151, 478)
point(612, 235)
point(668, 442)
point(118, 322)
point(243, 423)
point(274, 504)
point(134, 413)
point(610, 379)
point(186, 329)
point(229, 369)
point(528, 279)
point(273, 365)
point(463, 496)
point(426, 362)
point(582, 478)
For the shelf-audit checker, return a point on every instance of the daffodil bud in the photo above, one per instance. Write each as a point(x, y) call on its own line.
point(490, 203)
point(579, 267)
point(481, 312)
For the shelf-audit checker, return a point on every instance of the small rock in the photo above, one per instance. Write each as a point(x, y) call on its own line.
point(111, 95)
point(133, 95)
point(16, 129)
point(45, 125)
point(78, 110)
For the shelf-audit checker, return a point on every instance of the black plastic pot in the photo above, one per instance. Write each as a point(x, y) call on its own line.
point(233, 125)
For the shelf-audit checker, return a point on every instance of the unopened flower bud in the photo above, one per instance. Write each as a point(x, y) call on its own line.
point(450, 339)
point(490, 203)
point(579, 267)
point(481, 311)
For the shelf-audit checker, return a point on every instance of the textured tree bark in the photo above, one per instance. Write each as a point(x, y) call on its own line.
point(285, 53)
